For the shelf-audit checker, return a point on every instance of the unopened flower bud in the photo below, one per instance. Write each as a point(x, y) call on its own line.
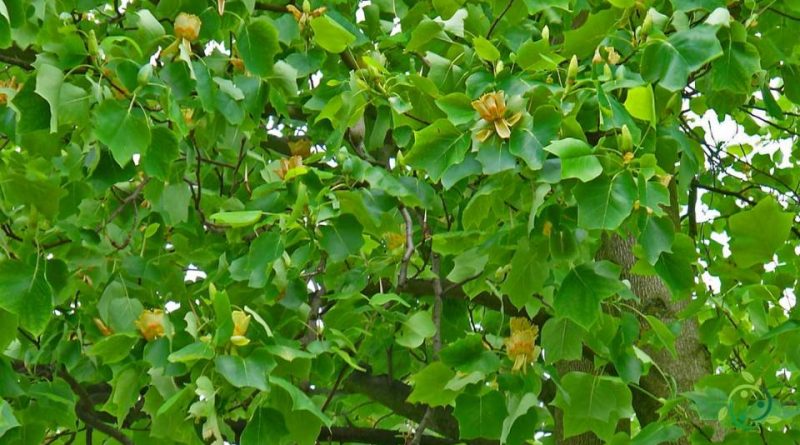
point(546, 33)
point(240, 323)
point(572, 70)
point(597, 58)
point(626, 140)
point(647, 24)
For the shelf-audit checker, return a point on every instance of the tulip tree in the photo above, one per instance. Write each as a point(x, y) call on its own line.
point(399, 222)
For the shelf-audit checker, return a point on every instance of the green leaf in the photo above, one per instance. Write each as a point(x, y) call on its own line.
point(436, 147)
point(518, 408)
point(26, 293)
point(676, 268)
point(458, 108)
point(258, 45)
point(429, 385)
point(222, 316)
point(342, 237)
point(641, 104)
point(669, 62)
point(583, 40)
point(605, 203)
point(495, 157)
point(485, 49)
point(734, 71)
point(664, 335)
point(7, 419)
point(561, 340)
point(331, 36)
point(583, 289)
point(592, 403)
point(8, 329)
point(622, 4)
point(48, 85)
point(750, 243)
point(656, 433)
point(113, 348)
point(422, 34)
point(5, 33)
point(251, 371)
point(161, 154)
point(657, 237)
point(480, 416)
point(468, 264)
point(691, 5)
point(237, 219)
point(577, 159)
point(300, 400)
point(528, 139)
point(528, 273)
point(463, 351)
point(192, 353)
point(266, 426)
point(122, 129)
point(416, 329)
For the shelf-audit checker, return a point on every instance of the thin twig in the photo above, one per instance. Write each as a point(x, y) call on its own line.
point(498, 18)
point(783, 14)
point(692, 209)
point(419, 433)
point(315, 304)
point(437, 306)
point(402, 277)
point(129, 199)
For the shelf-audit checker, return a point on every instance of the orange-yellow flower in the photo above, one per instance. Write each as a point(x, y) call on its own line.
point(288, 164)
point(300, 147)
point(151, 324)
point(394, 240)
point(187, 26)
point(10, 84)
point(305, 15)
point(241, 321)
point(492, 109)
point(521, 344)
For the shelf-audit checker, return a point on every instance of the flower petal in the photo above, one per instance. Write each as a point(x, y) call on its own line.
point(501, 126)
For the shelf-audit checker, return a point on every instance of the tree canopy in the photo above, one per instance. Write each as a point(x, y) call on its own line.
point(399, 222)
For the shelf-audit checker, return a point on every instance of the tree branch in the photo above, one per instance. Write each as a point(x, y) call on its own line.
point(85, 411)
point(271, 7)
point(402, 276)
point(376, 437)
point(18, 57)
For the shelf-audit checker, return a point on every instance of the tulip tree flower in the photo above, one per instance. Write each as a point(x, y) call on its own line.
point(521, 344)
point(151, 324)
point(241, 321)
point(492, 109)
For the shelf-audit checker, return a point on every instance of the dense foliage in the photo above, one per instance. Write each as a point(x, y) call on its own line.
point(397, 221)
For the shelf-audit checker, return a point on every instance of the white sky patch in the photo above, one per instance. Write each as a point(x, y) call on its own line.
point(136, 158)
point(396, 27)
point(218, 46)
point(172, 306)
point(788, 301)
point(360, 11)
point(194, 274)
point(154, 58)
point(724, 240)
point(317, 77)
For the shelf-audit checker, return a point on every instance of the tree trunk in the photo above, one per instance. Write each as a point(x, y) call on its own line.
point(692, 362)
